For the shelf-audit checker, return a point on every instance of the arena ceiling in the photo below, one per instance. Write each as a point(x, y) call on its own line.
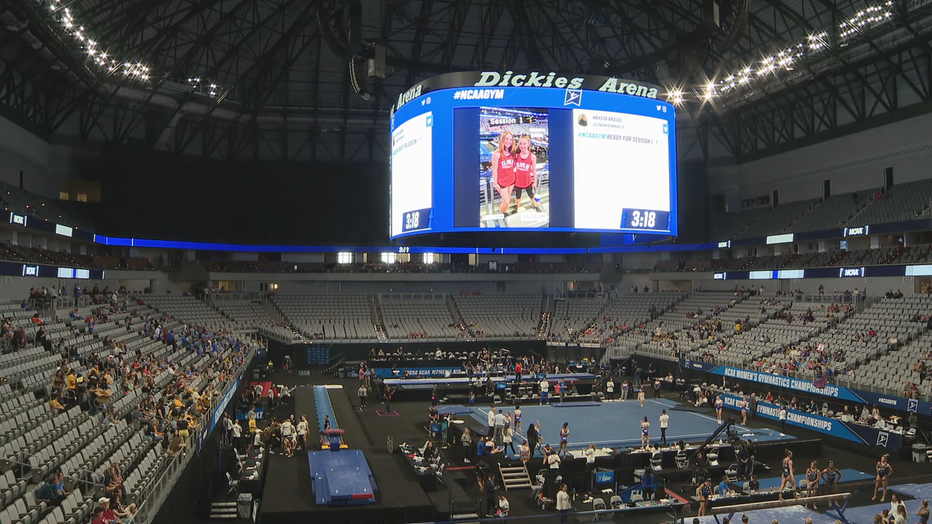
point(289, 79)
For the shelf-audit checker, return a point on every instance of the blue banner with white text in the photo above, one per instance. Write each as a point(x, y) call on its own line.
point(841, 393)
point(828, 426)
point(416, 372)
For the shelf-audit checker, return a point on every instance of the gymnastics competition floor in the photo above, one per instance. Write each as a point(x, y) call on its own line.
point(618, 424)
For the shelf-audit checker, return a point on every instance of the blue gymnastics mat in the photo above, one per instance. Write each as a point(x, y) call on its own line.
point(865, 514)
point(919, 491)
point(454, 409)
point(341, 478)
point(786, 514)
point(618, 424)
point(847, 475)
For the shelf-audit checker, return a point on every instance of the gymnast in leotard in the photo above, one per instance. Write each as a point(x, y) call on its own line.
point(788, 473)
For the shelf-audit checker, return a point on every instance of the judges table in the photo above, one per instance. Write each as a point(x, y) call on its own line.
point(252, 472)
point(426, 474)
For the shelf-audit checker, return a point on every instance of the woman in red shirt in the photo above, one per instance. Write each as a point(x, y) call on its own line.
point(503, 168)
point(525, 172)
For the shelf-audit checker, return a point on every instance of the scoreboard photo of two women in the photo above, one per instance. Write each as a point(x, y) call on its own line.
point(533, 159)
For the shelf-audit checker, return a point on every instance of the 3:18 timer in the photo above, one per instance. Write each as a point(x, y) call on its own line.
point(648, 219)
point(415, 220)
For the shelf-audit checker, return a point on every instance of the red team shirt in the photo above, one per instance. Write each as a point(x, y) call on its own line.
point(506, 170)
point(523, 168)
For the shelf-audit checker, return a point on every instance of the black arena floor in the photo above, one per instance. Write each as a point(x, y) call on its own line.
point(287, 497)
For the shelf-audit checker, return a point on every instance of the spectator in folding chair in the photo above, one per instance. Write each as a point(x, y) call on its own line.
point(46, 492)
point(107, 515)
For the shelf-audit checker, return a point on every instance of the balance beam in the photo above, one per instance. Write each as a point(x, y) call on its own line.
point(739, 508)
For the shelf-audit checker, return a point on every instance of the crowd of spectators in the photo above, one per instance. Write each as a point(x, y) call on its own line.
point(169, 415)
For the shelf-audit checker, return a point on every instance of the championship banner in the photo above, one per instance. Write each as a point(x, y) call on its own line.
point(416, 372)
point(827, 426)
point(857, 396)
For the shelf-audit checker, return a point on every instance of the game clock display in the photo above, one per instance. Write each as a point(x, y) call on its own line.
point(478, 159)
point(645, 219)
point(416, 220)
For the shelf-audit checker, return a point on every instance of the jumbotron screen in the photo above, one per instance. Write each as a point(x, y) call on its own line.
point(516, 158)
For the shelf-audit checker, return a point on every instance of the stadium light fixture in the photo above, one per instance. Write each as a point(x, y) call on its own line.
point(787, 59)
point(675, 97)
point(65, 17)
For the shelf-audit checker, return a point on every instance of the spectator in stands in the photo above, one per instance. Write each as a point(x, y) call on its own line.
point(176, 447)
point(58, 402)
point(114, 478)
point(19, 339)
point(107, 514)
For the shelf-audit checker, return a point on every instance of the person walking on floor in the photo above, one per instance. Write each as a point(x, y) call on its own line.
point(236, 434)
point(564, 505)
point(362, 392)
point(492, 421)
point(664, 424)
point(499, 428)
point(508, 439)
point(532, 437)
point(388, 398)
point(491, 501)
point(544, 391)
point(466, 441)
point(302, 432)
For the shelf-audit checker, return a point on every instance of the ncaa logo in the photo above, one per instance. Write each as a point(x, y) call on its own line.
point(912, 405)
point(572, 97)
point(882, 438)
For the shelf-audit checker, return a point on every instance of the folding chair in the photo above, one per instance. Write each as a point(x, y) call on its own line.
point(598, 504)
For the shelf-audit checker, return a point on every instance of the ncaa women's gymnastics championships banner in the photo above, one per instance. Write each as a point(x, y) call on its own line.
point(827, 426)
point(858, 396)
